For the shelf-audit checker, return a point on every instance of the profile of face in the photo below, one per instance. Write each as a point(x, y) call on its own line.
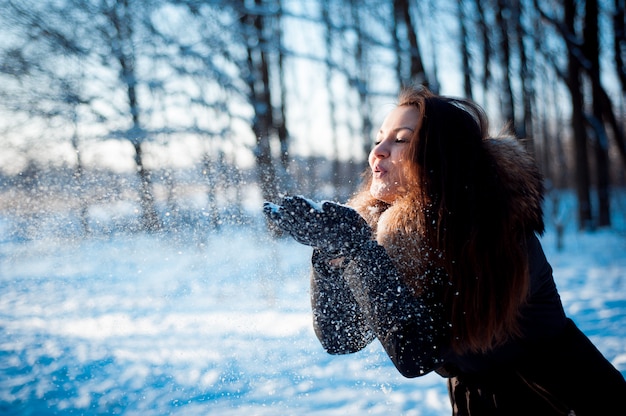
point(389, 157)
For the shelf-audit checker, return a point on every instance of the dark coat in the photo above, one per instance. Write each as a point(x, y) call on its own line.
point(551, 369)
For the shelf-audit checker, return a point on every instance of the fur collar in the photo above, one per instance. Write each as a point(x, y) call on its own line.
point(522, 181)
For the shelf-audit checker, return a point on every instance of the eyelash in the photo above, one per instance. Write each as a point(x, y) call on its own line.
point(397, 140)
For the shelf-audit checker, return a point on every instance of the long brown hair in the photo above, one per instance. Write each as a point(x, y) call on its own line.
point(465, 212)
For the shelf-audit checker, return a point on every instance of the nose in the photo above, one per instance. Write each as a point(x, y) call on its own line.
point(381, 150)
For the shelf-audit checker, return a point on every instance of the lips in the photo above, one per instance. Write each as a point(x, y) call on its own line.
point(378, 171)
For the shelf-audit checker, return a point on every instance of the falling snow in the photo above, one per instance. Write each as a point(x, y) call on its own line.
point(132, 323)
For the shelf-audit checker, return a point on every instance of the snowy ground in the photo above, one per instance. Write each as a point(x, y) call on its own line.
point(140, 325)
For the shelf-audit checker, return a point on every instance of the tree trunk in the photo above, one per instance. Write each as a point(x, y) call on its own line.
point(591, 48)
point(121, 18)
point(506, 98)
point(578, 126)
point(465, 53)
point(332, 112)
point(361, 81)
point(485, 33)
point(619, 41)
point(149, 218)
point(397, 44)
point(259, 98)
point(403, 16)
point(525, 129)
point(283, 132)
point(79, 181)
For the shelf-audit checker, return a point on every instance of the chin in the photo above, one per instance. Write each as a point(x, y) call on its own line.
point(382, 193)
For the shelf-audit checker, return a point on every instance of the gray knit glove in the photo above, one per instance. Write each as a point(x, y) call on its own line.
point(326, 225)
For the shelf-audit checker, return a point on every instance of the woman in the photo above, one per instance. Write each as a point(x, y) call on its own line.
point(437, 257)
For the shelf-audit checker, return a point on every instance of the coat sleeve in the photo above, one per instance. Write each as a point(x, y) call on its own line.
point(337, 318)
point(410, 328)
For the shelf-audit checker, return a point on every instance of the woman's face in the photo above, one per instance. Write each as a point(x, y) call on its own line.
point(389, 157)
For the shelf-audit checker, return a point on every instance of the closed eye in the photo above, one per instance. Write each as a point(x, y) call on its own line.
point(397, 140)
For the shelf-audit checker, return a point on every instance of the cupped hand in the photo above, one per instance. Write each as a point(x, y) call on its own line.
point(326, 225)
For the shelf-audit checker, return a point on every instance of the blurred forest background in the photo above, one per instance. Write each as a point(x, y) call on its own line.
point(157, 114)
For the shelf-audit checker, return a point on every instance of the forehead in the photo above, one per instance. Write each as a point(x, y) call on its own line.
point(399, 118)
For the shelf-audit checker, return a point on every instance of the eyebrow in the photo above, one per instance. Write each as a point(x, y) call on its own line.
point(397, 130)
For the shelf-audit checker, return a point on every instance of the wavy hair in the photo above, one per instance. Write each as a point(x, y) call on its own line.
point(464, 210)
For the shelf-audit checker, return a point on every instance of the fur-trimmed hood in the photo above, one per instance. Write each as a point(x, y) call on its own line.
point(397, 227)
point(522, 181)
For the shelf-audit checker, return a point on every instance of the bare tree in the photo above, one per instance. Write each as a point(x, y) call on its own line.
point(525, 128)
point(580, 137)
point(487, 48)
point(34, 88)
point(119, 32)
point(360, 77)
point(329, 34)
point(583, 54)
point(591, 50)
point(507, 101)
point(465, 51)
point(258, 80)
point(228, 60)
point(282, 130)
point(619, 41)
point(403, 20)
point(104, 37)
point(79, 173)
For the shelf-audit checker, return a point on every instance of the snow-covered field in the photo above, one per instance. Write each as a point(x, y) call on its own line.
point(180, 324)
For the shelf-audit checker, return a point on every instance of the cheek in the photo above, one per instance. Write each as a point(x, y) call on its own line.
point(409, 174)
point(404, 160)
point(399, 163)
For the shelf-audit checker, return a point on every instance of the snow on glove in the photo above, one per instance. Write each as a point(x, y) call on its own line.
point(329, 226)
